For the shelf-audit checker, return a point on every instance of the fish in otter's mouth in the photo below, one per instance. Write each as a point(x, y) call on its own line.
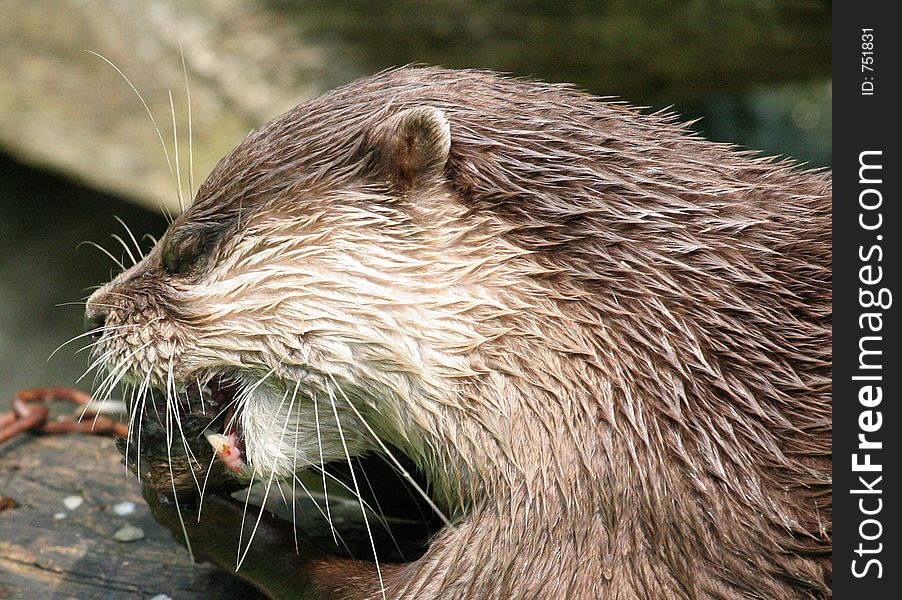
point(172, 444)
point(220, 397)
point(182, 426)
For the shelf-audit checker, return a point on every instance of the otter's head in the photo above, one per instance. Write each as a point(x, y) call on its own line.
point(315, 300)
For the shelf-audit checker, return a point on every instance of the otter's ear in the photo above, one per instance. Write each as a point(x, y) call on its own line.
point(410, 149)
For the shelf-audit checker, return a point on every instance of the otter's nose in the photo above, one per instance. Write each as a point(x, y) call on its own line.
point(95, 319)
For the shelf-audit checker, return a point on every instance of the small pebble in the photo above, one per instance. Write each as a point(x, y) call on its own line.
point(73, 502)
point(59, 516)
point(129, 533)
point(161, 597)
point(124, 508)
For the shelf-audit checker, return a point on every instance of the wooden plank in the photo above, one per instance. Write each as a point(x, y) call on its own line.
point(76, 556)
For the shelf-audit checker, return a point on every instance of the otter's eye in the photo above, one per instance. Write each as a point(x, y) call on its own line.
point(182, 255)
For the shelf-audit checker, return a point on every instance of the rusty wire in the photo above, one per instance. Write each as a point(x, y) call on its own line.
point(30, 413)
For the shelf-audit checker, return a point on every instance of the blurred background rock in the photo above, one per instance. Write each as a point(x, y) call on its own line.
point(77, 147)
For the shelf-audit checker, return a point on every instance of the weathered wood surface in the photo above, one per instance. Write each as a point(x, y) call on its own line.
point(77, 557)
point(42, 557)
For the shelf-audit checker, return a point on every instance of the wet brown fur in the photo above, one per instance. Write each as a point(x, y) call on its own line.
point(642, 408)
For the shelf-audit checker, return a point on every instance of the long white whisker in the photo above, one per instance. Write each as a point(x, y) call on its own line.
point(123, 364)
point(143, 102)
point(86, 334)
point(294, 470)
point(241, 399)
point(115, 260)
point(397, 463)
point(234, 402)
point(171, 408)
point(137, 411)
point(189, 454)
point(167, 213)
point(175, 137)
point(147, 393)
point(375, 510)
point(109, 381)
point(190, 126)
point(247, 501)
point(366, 521)
point(99, 410)
point(90, 347)
point(322, 462)
point(338, 538)
point(128, 250)
point(272, 472)
point(130, 235)
point(294, 522)
point(380, 515)
point(200, 503)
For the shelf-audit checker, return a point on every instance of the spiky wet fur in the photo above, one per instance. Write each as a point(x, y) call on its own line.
point(605, 341)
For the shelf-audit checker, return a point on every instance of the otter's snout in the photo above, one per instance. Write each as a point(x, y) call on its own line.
point(95, 317)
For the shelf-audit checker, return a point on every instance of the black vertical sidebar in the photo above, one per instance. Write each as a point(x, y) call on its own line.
point(867, 370)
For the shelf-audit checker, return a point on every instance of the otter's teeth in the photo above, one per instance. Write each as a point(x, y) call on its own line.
point(218, 441)
point(226, 448)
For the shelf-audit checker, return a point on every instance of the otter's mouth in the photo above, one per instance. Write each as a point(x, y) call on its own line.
point(217, 400)
point(190, 439)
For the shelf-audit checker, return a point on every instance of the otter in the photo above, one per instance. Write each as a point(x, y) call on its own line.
point(604, 340)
